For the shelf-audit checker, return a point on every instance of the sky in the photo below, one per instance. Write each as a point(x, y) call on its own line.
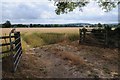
point(43, 12)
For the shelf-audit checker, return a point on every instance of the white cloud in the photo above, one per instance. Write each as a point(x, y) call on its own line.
point(45, 15)
point(24, 0)
point(44, 12)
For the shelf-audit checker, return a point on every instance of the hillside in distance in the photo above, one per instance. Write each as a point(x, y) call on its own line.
point(27, 25)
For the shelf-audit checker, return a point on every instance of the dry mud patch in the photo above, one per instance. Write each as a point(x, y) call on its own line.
point(67, 60)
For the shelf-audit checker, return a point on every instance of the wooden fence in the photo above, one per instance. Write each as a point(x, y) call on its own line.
point(98, 37)
point(11, 56)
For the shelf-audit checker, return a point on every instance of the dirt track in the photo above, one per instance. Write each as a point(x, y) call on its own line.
point(67, 60)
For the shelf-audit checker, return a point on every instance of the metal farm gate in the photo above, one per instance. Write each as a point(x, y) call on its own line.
point(11, 50)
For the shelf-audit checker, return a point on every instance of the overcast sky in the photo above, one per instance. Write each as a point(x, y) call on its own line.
point(21, 11)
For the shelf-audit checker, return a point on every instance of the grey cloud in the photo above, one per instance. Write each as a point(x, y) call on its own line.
point(33, 13)
point(23, 11)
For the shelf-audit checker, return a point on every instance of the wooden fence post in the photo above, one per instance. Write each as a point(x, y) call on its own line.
point(84, 34)
point(11, 55)
point(106, 38)
point(80, 32)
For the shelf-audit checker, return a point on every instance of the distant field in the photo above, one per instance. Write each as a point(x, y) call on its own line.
point(42, 30)
point(36, 37)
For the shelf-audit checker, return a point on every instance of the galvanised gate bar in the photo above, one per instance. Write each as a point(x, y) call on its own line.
point(12, 55)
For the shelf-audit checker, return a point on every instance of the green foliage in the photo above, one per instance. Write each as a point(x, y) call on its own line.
point(31, 25)
point(99, 25)
point(7, 24)
point(65, 7)
point(107, 6)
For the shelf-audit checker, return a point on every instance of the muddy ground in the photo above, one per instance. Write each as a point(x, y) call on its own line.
point(67, 60)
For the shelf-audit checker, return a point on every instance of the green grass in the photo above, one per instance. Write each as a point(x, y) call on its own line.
point(32, 40)
point(39, 39)
point(50, 38)
point(73, 37)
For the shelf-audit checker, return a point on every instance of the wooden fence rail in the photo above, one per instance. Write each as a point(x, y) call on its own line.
point(96, 37)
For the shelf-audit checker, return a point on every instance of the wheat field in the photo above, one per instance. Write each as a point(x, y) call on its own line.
point(36, 37)
point(41, 30)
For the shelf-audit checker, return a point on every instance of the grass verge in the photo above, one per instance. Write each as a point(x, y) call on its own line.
point(39, 39)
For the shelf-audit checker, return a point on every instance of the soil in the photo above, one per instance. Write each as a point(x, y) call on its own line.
point(67, 60)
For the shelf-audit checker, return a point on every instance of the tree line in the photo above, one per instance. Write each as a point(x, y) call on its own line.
point(8, 24)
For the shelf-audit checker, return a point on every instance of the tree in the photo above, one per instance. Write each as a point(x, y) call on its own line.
point(65, 7)
point(7, 24)
point(99, 25)
point(0, 25)
point(31, 25)
point(118, 24)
